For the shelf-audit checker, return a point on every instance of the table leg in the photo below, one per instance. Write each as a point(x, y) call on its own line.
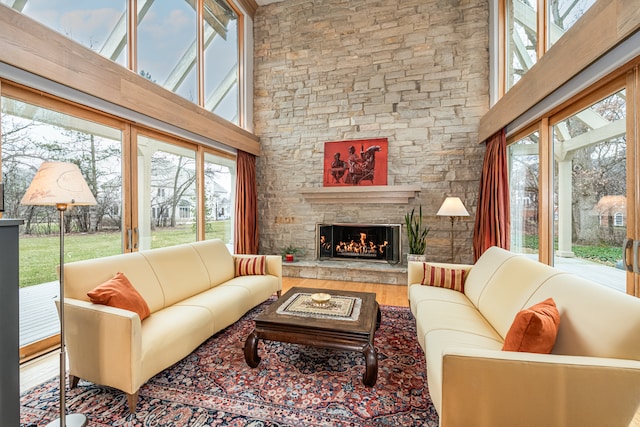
point(371, 363)
point(378, 316)
point(251, 350)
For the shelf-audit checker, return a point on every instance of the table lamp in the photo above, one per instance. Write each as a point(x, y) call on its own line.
point(61, 185)
point(454, 209)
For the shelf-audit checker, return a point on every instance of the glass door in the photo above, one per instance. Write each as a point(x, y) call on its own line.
point(167, 196)
point(590, 193)
point(631, 254)
point(219, 196)
point(524, 171)
point(36, 129)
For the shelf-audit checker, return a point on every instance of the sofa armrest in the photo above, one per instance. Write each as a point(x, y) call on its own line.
point(103, 344)
point(273, 266)
point(499, 388)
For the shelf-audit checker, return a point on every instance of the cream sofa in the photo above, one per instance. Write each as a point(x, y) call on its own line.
point(592, 377)
point(191, 292)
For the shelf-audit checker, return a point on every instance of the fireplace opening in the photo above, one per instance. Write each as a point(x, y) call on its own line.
point(365, 242)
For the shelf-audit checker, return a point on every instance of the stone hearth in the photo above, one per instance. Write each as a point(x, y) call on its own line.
point(350, 271)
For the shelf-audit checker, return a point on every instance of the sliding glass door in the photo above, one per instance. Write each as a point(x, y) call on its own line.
point(219, 196)
point(46, 130)
point(590, 191)
point(524, 172)
point(167, 196)
point(574, 179)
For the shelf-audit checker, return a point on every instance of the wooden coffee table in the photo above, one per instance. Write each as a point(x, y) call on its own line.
point(334, 333)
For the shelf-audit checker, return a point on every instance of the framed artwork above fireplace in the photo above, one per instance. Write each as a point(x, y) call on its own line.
point(355, 162)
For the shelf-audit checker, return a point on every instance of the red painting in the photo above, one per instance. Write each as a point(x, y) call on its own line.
point(357, 162)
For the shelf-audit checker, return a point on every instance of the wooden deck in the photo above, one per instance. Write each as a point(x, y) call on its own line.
point(38, 314)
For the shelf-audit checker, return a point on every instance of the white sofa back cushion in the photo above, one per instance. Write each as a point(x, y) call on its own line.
point(217, 260)
point(180, 271)
point(482, 271)
point(509, 290)
point(594, 320)
point(196, 267)
point(81, 277)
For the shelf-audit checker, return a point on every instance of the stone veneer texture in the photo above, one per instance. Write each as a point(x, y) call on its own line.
point(413, 71)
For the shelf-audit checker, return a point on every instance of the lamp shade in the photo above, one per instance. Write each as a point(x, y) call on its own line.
point(58, 183)
point(452, 206)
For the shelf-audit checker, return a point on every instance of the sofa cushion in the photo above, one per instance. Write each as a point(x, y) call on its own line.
point(119, 292)
point(250, 265)
point(180, 271)
point(534, 329)
point(170, 335)
point(217, 260)
point(82, 276)
point(510, 289)
point(439, 342)
point(442, 277)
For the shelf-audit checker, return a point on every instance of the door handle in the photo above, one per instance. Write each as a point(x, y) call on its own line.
point(636, 261)
point(135, 245)
point(628, 244)
point(129, 239)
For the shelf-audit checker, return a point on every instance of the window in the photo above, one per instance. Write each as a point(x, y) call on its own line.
point(221, 60)
point(522, 37)
point(618, 219)
point(100, 25)
point(165, 216)
point(524, 189)
point(145, 185)
point(219, 190)
point(32, 134)
point(569, 185)
point(562, 15)
point(525, 40)
point(590, 150)
point(168, 48)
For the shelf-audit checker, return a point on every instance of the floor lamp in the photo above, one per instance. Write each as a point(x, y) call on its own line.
point(61, 185)
point(454, 209)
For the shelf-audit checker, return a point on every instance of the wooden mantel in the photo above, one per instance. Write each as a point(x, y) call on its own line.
point(397, 194)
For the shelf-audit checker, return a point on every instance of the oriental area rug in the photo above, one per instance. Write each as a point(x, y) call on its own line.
point(293, 386)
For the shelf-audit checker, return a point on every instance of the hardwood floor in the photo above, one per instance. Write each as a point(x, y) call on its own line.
point(385, 294)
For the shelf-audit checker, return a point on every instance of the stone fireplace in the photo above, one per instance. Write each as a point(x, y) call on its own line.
point(423, 92)
point(364, 242)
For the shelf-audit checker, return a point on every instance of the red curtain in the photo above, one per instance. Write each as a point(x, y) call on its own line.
point(492, 214)
point(246, 227)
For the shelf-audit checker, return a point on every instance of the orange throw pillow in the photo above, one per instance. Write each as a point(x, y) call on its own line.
point(250, 266)
point(119, 292)
point(443, 277)
point(534, 330)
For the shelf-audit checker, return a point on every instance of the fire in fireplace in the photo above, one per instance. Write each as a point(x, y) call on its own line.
point(367, 242)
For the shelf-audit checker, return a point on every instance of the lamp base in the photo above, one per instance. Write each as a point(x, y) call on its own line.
point(71, 420)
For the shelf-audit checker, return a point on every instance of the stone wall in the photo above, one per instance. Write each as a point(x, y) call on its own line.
point(412, 71)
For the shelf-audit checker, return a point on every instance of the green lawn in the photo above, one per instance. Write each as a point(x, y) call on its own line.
point(40, 256)
point(607, 255)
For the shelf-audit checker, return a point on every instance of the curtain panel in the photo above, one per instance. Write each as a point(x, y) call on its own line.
point(246, 218)
point(492, 214)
